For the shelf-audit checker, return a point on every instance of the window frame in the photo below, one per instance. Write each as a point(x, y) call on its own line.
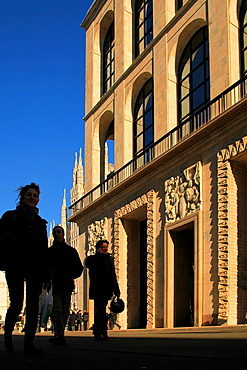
point(179, 4)
point(137, 134)
point(192, 88)
point(142, 25)
point(108, 59)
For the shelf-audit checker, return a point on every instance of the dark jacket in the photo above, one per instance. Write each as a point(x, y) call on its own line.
point(23, 240)
point(65, 265)
point(103, 281)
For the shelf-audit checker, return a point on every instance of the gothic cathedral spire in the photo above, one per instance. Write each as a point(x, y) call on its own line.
point(77, 190)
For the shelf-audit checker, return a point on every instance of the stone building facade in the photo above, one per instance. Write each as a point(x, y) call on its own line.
point(166, 81)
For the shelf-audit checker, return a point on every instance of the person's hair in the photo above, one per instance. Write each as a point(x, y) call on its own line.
point(100, 242)
point(58, 227)
point(23, 189)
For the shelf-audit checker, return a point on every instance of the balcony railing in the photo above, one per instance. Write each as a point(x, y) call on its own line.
point(214, 108)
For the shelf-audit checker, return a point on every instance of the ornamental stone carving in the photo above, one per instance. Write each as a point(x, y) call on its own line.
point(97, 230)
point(183, 194)
point(223, 222)
point(148, 200)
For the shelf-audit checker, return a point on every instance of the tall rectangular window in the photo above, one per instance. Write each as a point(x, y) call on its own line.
point(108, 65)
point(143, 25)
point(193, 77)
point(143, 121)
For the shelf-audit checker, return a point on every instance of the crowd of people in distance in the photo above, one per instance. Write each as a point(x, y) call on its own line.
point(78, 321)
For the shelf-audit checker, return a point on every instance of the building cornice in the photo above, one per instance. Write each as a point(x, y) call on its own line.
point(92, 13)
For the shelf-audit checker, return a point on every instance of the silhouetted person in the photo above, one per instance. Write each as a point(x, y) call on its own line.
point(85, 319)
point(23, 256)
point(103, 284)
point(65, 266)
point(79, 320)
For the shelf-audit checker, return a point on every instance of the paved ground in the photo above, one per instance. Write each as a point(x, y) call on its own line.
point(194, 348)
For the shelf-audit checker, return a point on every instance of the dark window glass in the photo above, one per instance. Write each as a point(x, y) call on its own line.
point(196, 76)
point(143, 25)
point(143, 120)
point(149, 137)
point(243, 37)
point(197, 57)
point(193, 76)
point(179, 4)
point(148, 101)
point(199, 97)
point(148, 8)
point(148, 118)
point(108, 59)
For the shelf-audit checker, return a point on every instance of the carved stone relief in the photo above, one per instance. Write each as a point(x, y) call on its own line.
point(148, 200)
point(183, 194)
point(223, 222)
point(97, 230)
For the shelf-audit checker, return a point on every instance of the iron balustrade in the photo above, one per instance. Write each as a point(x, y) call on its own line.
point(211, 110)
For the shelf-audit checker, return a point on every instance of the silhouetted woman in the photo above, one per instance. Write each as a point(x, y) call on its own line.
point(23, 257)
point(103, 285)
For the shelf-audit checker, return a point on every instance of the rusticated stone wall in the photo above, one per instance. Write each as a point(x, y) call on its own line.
point(225, 266)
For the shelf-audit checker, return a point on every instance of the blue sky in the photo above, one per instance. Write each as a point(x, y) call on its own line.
point(42, 98)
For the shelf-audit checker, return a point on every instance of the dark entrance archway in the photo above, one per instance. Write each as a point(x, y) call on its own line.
point(183, 240)
point(143, 274)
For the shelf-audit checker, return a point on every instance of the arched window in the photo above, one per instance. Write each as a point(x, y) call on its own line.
point(106, 139)
point(110, 149)
point(143, 25)
point(143, 121)
point(108, 65)
point(243, 37)
point(193, 77)
point(179, 4)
